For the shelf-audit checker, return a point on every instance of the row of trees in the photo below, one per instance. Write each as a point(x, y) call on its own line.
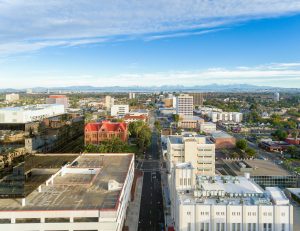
point(115, 145)
point(242, 144)
point(142, 133)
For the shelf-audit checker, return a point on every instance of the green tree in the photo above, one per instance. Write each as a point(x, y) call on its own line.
point(280, 134)
point(250, 152)
point(141, 131)
point(292, 150)
point(158, 125)
point(176, 118)
point(242, 144)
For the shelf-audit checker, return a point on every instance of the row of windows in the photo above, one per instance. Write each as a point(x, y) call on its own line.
point(185, 181)
point(223, 213)
point(50, 220)
point(237, 227)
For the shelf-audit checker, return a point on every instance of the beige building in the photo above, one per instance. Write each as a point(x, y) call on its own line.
point(190, 122)
point(195, 149)
point(184, 105)
point(12, 97)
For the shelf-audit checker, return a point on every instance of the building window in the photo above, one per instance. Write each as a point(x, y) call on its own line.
point(189, 226)
point(282, 227)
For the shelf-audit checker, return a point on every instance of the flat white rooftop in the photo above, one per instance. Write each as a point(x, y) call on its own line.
point(228, 190)
point(29, 107)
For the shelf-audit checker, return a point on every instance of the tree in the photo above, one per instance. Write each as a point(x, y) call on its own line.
point(242, 144)
point(280, 134)
point(114, 145)
point(157, 125)
point(141, 131)
point(250, 152)
point(176, 118)
point(292, 150)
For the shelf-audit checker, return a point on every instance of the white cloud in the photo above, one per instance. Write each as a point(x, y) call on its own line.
point(33, 24)
point(268, 75)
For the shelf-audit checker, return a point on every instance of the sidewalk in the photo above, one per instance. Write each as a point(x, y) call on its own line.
point(132, 218)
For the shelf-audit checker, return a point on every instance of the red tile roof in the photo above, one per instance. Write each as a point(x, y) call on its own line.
point(107, 125)
point(57, 96)
point(141, 117)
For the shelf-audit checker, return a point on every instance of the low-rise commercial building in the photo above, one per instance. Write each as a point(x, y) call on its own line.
point(264, 172)
point(190, 122)
point(274, 146)
point(133, 118)
point(58, 99)
point(90, 193)
point(223, 140)
point(208, 127)
point(139, 112)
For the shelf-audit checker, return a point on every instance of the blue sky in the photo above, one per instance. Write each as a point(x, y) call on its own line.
point(66, 43)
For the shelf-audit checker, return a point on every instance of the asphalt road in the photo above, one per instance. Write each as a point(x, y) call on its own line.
point(151, 216)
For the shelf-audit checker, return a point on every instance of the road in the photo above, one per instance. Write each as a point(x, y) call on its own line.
point(151, 216)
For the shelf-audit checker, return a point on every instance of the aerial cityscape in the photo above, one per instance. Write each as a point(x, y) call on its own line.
point(164, 115)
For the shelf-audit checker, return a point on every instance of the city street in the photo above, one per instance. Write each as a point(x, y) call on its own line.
point(151, 216)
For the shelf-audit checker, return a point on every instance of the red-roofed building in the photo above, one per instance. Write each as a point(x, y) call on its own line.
point(58, 99)
point(95, 133)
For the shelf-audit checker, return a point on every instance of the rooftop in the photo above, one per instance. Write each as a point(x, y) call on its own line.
point(228, 190)
point(178, 139)
point(193, 118)
point(83, 184)
point(256, 167)
point(221, 134)
point(107, 126)
point(29, 107)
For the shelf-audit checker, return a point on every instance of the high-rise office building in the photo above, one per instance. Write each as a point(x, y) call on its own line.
point(184, 105)
point(198, 98)
point(276, 97)
point(109, 102)
point(131, 95)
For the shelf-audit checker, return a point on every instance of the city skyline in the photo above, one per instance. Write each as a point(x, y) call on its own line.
point(188, 43)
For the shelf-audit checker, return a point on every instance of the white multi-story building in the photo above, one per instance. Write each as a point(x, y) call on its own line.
point(208, 127)
point(236, 117)
point(109, 102)
point(12, 97)
point(30, 113)
point(226, 203)
point(119, 110)
point(184, 105)
point(193, 148)
point(58, 99)
point(131, 95)
point(276, 97)
point(90, 193)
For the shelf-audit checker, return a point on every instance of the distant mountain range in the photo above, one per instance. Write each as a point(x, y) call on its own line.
point(169, 88)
